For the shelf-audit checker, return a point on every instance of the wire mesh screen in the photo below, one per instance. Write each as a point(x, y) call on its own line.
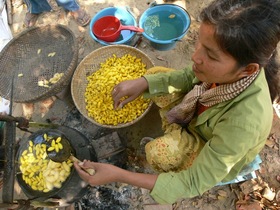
point(34, 58)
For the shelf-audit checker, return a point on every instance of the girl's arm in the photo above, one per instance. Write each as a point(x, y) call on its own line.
point(107, 173)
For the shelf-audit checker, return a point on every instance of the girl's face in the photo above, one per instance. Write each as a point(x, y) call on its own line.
point(211, 64)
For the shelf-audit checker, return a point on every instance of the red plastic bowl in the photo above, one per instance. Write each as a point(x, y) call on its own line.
point(109, 28)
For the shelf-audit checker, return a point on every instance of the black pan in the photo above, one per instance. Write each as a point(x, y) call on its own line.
point(37, 138)
point(73, 187)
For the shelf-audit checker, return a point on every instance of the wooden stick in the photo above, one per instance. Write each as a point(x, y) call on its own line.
point(90, 171)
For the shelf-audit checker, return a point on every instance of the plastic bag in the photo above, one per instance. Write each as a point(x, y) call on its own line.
point(5, 31)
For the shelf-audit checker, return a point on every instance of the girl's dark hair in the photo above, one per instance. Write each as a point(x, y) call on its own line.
point(249, 30)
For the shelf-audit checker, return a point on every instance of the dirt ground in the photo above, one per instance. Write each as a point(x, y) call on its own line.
point(264, 191)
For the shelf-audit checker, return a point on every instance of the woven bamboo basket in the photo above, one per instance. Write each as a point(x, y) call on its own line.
point(36, 54)
point(89, 65)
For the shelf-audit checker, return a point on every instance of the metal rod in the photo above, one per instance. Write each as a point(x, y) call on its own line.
point(8, 118)
point(9, 166)
point(12, 95)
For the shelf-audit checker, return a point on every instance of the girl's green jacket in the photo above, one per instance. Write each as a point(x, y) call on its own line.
point(234, 132)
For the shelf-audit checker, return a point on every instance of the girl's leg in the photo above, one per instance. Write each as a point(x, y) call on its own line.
point(34, 9)
point(37, 7)
point(70, 5)
point(176, 149)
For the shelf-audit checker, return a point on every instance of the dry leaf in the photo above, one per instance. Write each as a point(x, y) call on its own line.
point(248, 205)
point(221, 198)
point(161, 58)
point(250, 186)
point(212, 196)
point(81, 51)
point(270, 143)
point(277, 198)
point(222, 193)
point(268, 194)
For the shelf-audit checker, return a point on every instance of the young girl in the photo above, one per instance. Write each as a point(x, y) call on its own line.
point(223, 120)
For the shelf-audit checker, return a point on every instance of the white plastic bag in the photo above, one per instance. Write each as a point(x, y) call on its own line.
point(5, 37)
point(4, 106)
point(5, 31)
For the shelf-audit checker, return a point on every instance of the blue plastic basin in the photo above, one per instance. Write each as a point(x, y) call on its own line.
point(126, 18)
point(164, 25)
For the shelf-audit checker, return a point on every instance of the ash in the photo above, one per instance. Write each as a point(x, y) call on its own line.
point(110, 198)
point(115, 196)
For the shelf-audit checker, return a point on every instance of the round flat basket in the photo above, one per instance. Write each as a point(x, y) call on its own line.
point(34, 58)
point(90, 64)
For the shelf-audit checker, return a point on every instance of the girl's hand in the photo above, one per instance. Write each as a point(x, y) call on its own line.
point(104, 173)
point(130, 88)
